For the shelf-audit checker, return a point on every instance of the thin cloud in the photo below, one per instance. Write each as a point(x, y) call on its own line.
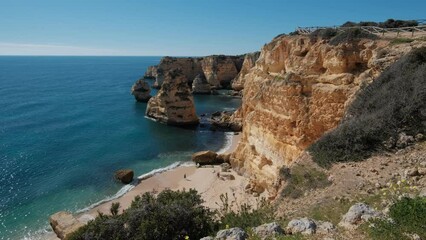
point(52, 49)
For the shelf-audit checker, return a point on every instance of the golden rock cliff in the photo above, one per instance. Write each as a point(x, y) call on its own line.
point(298, 89)
point(174, 103)
point(219, 70)
point(248, 63)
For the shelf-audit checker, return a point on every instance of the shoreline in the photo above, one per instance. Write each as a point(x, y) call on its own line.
point(203, 179)
point(172, 178)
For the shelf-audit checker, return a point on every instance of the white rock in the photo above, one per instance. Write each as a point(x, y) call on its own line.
point(304, 226)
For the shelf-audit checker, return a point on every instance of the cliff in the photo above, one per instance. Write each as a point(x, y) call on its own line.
point(248, 63)
point(173, 104)
point(219, 70)
point(298, 89)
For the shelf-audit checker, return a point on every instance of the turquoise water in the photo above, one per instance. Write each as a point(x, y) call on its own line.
point(67, 123)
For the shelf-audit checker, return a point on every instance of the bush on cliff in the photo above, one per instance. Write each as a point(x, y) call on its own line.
point(390, 23)
point(301, 178)
point(170, 215)
point(392, 104)
point(408, 217)
point(246, 216)
point(350, 35)
point(326, 33)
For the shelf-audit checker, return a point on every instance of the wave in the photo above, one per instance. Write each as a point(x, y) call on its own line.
point(120, 193)
point(228, 142)
point(130, 186)
point(159, 170)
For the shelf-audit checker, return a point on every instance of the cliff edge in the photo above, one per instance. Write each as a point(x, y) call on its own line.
point(298, 89)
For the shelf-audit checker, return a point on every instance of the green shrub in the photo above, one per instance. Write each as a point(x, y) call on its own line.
point(401, 40)
point(302, 178)
point(326, 33)
point(350, 35)
point(170, 215)
point(390, 23)
point(245, 216)
point(393, 103)
point(409, 217)
point(114, 208)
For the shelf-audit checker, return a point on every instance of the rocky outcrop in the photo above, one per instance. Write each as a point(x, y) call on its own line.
point(225, 121)
point(141, 91)
point(303, 226)
point(206, 157)
point(64, 223)
point(200, 85)
point(124, 175)
point(268, 230)
point(299, 89)
point(249, 62)
point(174, 103)
point(151, 72)
point(231, 234)
point(358, 214)
point(219, 70)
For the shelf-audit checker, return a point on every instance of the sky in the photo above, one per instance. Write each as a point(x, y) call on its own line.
point(175, 27)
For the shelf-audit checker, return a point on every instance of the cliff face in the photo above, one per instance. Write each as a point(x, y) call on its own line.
point(173, 103)
point(298, 89)
point(151, 72)
point(219, 70)
point(248, 63)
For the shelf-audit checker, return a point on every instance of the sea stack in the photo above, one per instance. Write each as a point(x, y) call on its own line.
point(141, 91)
point(200, 85)
point(174, 103)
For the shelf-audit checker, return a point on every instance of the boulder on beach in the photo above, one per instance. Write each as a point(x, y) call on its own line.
point(206, 157)
point(124, 175)
point(64, 223)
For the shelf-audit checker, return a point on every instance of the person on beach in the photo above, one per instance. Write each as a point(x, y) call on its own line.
point(184, 175)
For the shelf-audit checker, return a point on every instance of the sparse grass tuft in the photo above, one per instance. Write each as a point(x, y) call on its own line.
point(401, 40)
point(302, 178)
point(408, 217)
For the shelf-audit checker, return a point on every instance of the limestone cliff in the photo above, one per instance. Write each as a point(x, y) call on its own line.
point(173, 103)
point(200, 85)
point(297, 90)
point(219, 70)
point(151, 72)
point(249, 62)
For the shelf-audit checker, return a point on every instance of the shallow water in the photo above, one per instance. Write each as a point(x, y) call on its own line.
point(67, 123)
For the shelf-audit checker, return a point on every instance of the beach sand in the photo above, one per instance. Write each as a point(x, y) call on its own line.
point(203, 179)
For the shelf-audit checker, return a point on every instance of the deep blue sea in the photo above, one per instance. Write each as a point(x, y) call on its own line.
point(67, 123)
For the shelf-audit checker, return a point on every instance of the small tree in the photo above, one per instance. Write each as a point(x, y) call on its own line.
point(114, 208)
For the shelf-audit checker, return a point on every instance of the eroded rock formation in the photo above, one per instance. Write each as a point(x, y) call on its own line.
point(298, 90)
point(249, 62)
point(64, 223)
point(173, 103)
point(200, 85)
point(219, 70)
point(141, 91)
point(151, 72)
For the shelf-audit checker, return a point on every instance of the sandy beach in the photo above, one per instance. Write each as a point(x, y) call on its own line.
point(203, 179)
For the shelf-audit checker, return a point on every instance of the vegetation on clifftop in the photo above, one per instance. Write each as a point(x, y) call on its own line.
point(394, 103)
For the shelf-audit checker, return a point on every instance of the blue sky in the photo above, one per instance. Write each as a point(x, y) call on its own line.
point(174, 27)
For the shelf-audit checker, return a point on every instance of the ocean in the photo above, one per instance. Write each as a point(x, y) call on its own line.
point(66, 125)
